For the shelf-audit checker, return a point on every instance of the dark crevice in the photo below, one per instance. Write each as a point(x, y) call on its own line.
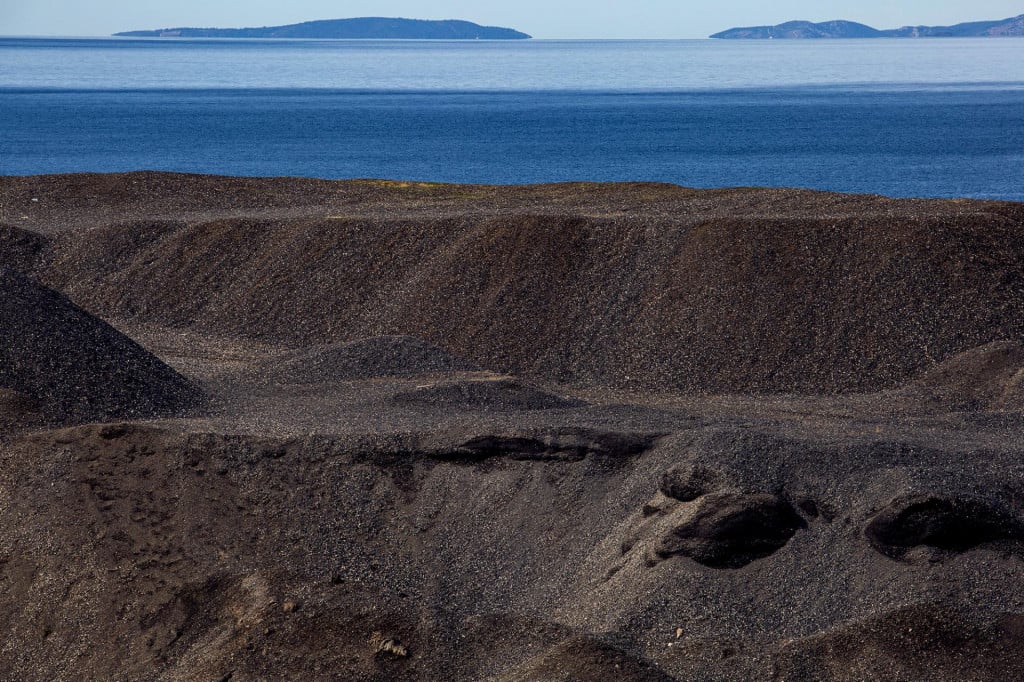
point(949, 524)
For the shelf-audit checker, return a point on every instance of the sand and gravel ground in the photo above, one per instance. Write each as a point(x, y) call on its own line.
point(260, 429)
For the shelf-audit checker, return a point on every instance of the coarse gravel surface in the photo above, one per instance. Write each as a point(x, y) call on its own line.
point(273, 428)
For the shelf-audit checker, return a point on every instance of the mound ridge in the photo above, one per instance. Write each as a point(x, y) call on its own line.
point(483, 394)
point(920, 642)
point(379, 356)
point(582, 658)
point(738, 291)
point(76, 366)
point(988, 377)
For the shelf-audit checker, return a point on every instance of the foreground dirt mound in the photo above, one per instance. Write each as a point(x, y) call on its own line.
point(380, 356)
point(712, 292)
point(524, 557)
point(77, 367)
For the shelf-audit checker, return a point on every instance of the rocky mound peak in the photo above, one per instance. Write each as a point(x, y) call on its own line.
point(76, 366)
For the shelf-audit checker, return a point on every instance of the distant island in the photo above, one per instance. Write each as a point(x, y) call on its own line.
point(1012, 27)
point(380, 28)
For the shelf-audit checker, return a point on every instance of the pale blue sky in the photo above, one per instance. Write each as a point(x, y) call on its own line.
point(541, 18)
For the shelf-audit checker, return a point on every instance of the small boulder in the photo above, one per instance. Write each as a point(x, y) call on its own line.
point(387, 647)
point(688, 481)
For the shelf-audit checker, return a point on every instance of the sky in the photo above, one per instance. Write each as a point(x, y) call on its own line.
point(540, 18)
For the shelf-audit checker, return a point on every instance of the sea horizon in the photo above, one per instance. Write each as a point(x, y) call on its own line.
point(935, 118)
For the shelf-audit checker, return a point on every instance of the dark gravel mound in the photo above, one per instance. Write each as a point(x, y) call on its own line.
point(379, 356)
point(501, 394)
point(523, 555)
point(76, 366)
point(646, 286)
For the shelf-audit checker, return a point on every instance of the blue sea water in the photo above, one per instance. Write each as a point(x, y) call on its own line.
point(897, 117)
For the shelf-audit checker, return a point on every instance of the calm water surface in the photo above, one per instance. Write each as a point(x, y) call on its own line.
point(898, 117)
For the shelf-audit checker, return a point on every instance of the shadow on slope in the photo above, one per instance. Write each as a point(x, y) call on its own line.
point(482, 394)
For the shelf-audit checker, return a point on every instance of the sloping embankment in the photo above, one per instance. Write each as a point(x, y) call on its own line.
point(630, 285)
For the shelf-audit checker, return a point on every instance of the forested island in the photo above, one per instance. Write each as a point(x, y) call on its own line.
point(1002, 28)
point(380, 28)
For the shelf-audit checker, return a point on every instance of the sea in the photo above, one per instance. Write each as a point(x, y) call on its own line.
point(904, 118)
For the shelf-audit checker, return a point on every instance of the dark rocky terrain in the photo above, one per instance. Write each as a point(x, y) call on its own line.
point(1001, 28)
point(360, 28)
point(257, 429)
point(75, 366)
